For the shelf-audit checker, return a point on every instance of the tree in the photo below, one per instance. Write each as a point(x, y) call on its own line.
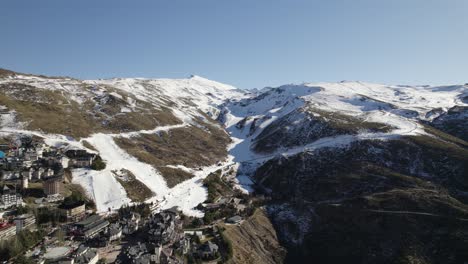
point(60, 235)
point(98, 164)
point(196, 222)
point(21, 259)
point(22, 210)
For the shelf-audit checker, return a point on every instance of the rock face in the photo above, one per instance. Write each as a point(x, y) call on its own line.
point(255, 241)
point(454, 122)
point(305, 125)
point(372, 202)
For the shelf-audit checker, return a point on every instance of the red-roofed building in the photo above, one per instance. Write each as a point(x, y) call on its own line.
point(7, 230)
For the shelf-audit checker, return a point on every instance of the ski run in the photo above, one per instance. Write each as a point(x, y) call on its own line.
point(399, 107)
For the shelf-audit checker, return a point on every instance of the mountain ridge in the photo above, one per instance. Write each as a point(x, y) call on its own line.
point(286, 142)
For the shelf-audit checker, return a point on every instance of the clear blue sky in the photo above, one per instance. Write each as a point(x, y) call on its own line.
point(247, 43)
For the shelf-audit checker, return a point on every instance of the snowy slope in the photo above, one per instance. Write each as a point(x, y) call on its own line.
point(187, 99)
point(205, 94)
point(400, 107)
point(245, 116)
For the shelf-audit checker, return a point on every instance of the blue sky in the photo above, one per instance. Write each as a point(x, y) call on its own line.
point(246, 43)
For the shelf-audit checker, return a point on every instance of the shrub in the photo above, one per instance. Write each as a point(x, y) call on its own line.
point(98, 164)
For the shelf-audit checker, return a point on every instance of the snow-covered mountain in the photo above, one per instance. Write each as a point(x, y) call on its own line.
point(294, 118)
point(322, 151)
point(356, 168)
point(104, 115)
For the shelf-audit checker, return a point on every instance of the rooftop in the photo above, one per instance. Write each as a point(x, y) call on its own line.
point(89, 220)
point(5, 225)
point(234, 219)
point(57, 252)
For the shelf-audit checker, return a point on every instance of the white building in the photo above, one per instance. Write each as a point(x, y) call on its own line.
point(24, 221)
point(28, 173)
point(48, 173)
point(37, 174)
point(24, 182)
point(65, 161)
point(9, 198)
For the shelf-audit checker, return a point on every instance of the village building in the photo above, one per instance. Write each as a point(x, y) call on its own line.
point(167, 258)
point(54, 198)
point(37, 174)
point(74, 211)
point(31, 155)
point(198, 233)
point(91, 226)
point(24, 221)
point(24, 182)
point(52, 186)
point(58, 254)
point(147, 253)
point(86, 255)
point(208, 250)
point(28, 173)
point(129, 228)
point(114, 232)
point(9, 198)
point(41, 148)
point(237, 203)
point(52, 159)
point(64, 161)
point(184, 245)
point(9, 175)
point(130, 224)
point(234, 220)
point(4, 147)
point(26, 164)
point(165, 227)
point(13, 163)
point(141, 252)
point(64, 261)
point(48, 173)
point(80, 158)
point(222, 200)
point(7, 230)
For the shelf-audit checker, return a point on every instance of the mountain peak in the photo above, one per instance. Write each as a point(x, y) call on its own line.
point(199, 78)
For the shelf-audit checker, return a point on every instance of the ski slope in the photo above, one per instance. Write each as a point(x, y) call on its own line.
point(399, 107)
point(244, 115)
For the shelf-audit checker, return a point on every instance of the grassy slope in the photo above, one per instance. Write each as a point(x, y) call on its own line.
point(190, 146)
point(136, 190)
point(216, 187)
point(52, 112)
point(254, 241)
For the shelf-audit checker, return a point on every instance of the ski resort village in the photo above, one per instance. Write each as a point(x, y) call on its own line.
point(46, 218)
